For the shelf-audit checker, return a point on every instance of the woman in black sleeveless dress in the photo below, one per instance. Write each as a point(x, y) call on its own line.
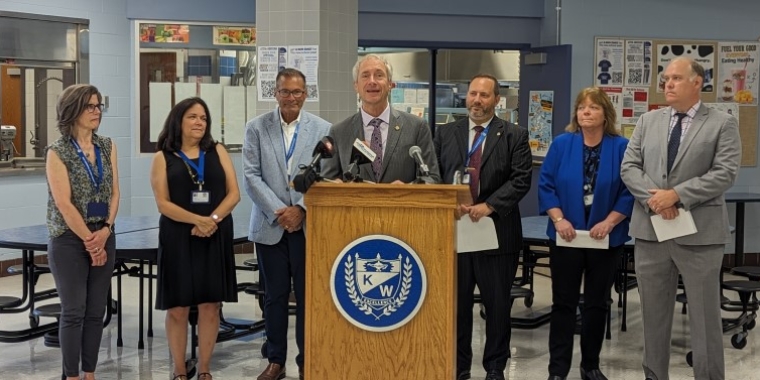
point(195, 186)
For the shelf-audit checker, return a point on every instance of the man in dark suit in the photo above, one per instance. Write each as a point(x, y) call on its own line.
point(496, 157)
point(389, 132)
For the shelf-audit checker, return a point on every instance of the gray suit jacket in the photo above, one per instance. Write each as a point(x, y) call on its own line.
point(405, 131)
point(266, 178)
point(705, 167)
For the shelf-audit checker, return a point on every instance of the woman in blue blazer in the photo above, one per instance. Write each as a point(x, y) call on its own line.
point(580, 190)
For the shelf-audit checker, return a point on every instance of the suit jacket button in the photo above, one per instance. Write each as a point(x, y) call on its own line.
point(663, 176)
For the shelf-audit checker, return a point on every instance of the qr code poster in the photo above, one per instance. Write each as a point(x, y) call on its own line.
point(609, 62)
point(703, 54)
point(638, 63)
point(273, 59)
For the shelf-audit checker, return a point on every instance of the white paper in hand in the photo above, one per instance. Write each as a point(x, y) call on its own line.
point(682, 225)
point(472, 237)
point(583, 239)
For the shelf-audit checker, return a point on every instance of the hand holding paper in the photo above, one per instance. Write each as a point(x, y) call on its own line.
point(583, 239)
point(682, 225)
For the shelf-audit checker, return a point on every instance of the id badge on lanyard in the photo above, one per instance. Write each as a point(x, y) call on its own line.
point(588, 195)
point(291, 149)
point(199, 196)
point(94, 209)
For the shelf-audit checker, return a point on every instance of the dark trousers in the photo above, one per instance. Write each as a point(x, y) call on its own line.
point(493, 274)
point(597, 269)
point(280, 264)
point(83, 290)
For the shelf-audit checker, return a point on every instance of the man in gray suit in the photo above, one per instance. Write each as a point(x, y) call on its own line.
point(389, 132)
point(682, 158)
point(276, 144)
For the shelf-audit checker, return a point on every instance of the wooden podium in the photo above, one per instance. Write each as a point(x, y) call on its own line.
point(423, 217)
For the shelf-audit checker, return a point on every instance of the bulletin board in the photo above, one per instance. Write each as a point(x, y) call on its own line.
point(629, 70)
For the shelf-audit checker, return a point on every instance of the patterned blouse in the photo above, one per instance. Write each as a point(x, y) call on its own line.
point(82, 189)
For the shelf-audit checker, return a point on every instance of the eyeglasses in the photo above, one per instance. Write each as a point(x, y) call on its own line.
point(295, 93)
point(92, 107)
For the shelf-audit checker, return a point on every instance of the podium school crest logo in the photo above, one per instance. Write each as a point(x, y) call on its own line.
point(378, 283)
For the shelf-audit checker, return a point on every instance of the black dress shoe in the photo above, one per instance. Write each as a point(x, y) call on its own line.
point(495, 374)
point(555, 377)
point(594, 374)
point(463, 375)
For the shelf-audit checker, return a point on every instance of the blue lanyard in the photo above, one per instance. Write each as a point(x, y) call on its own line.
point(99, 162)
point(476, 145)
point(292, 148)
point(198, 168)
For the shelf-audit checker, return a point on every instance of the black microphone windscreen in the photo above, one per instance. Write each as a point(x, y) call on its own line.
point(324, 147)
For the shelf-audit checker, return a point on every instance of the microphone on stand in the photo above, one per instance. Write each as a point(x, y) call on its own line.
point(416, 153)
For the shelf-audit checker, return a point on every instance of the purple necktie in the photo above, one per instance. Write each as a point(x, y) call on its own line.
point(475, 165)
point(376, 144)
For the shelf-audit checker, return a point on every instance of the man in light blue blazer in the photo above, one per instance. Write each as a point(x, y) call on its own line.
point(682, 158)
point(276, 144)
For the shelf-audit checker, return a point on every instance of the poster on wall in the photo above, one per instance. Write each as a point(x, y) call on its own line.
point(629, 102)
point(738, 66)
point(638, 62)
point(306, 59)
point(234, 35)
point(270, 60)
point(609, 62)
point(165, 33)
point(702, 54)
point(540, 109)
point(729, 108)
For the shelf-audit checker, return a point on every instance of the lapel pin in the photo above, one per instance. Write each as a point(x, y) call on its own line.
point(397, 128)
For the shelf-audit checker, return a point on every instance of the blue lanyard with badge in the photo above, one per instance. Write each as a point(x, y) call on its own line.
point(292, 147)
point(475, 147)
point(591, 157)
point(199, 196)
point(94, 209)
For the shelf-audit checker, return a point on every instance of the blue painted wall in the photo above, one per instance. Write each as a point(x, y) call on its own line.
point(232, 11)
point(488, 8)
point(245, 10)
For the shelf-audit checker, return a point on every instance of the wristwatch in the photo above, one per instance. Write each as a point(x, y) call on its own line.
point(109, 225)
point(558, 220)
point(215, 217)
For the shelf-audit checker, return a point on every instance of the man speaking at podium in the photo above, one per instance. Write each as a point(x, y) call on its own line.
point(390, 133)
point(276, 144)
point(495, 159)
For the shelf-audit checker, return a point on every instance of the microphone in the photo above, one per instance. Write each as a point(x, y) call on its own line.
point(416, 153)
point(323, 149)
point(307, 175)
point(360, 154)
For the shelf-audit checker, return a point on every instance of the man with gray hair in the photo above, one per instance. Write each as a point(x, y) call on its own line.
point(388, 132)
point(692, 158)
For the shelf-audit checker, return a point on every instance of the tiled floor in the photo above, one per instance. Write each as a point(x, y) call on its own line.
point(241, 359)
